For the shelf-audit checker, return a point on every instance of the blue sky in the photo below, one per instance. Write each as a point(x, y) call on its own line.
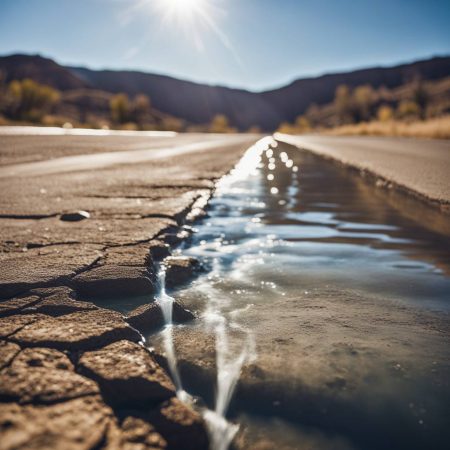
point(254, 44)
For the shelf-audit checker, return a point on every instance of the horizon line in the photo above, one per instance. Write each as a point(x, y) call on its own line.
point(218, 85)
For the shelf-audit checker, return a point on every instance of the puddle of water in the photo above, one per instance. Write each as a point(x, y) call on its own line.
point(327, 301)
point(355, 239)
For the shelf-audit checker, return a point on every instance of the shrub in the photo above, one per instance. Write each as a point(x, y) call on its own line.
point(141, 110)
point(220, 124)
point(28, 100)
point(408, 109)
point(363, 100)
point(343, 104)
point(120, 108)
point(385, 113)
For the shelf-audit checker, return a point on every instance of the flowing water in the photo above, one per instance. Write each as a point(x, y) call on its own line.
point(165, 302)
point(323, 311)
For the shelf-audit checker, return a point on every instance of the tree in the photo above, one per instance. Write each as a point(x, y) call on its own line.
point(120, 108)
point(141, 109)
point(408, 109)
point(302, 124)
point(286, 127)
point(363, 97)
point(385, 113)
point(343, 104)
point(28, 100)
point(313, 115)
point(421, 98)
point(220, 124)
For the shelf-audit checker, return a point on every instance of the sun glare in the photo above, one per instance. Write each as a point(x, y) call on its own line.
point(183, 10)
point(184, 6)
point(196, 18)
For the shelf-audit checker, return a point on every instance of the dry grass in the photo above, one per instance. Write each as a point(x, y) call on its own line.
point(437, 128)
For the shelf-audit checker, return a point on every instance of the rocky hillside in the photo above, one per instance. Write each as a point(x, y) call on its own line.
point(199, 103)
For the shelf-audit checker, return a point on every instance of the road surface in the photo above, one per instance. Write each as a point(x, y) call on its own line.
point(30, 144)
point(127, 195)
point(417, 165)
point(133, 186)
point(137, 189)
point(171, 147)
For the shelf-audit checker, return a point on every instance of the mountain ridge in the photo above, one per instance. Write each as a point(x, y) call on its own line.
point(198, 103)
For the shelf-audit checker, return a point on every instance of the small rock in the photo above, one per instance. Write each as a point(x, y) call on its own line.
point(127, 374)
point(114, 281)
point(77, 424)
point(84, 330)
point(149, 317)
point(180, 269)
point(74, 216)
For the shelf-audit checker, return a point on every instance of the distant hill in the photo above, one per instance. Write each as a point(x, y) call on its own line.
point(198, 103)
point(42, 70)
point(294, 99)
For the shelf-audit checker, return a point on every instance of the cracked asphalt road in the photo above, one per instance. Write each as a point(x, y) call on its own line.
point(133, 186)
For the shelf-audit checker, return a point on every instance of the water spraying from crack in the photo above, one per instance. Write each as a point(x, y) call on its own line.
point(165, 302)
point(230, 356)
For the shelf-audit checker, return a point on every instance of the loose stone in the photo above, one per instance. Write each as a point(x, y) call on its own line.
point(74, 216)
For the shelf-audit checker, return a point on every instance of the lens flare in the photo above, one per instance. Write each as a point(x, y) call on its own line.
point(196, 19)
point(184, 5)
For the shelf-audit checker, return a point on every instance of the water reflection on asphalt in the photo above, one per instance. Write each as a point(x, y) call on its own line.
point(296, 236)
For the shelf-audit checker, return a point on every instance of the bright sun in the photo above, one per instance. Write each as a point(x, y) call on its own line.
point(179, 7)
point(195, 17)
